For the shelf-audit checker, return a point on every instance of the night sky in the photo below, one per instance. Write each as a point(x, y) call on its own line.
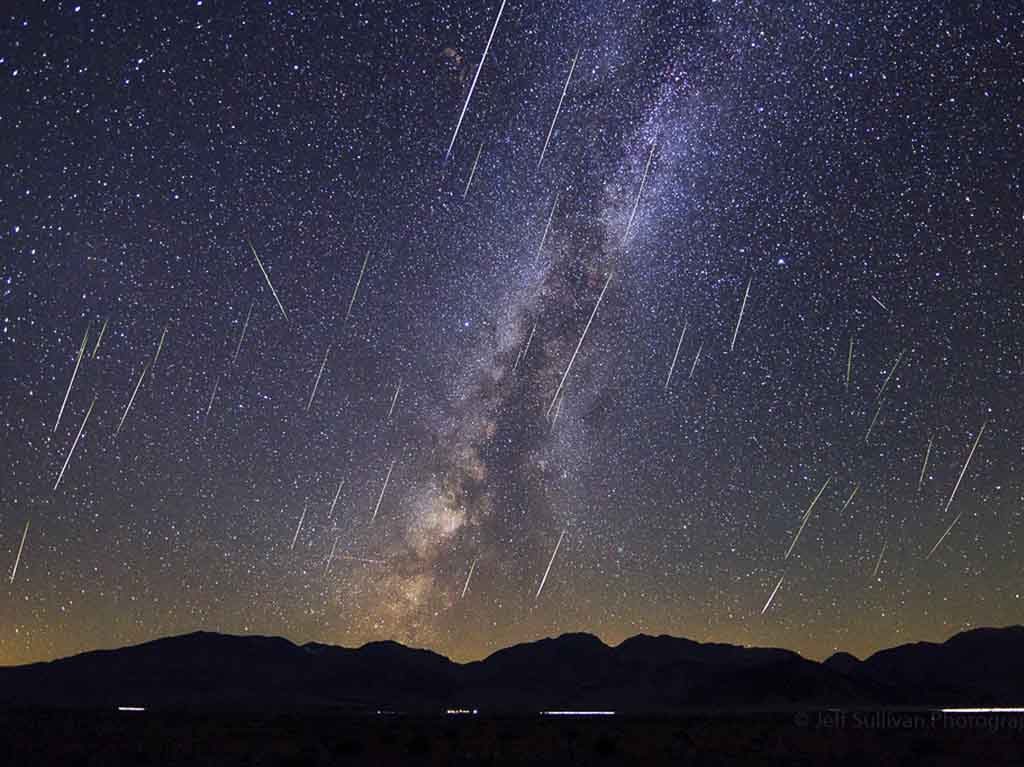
point(828, 199)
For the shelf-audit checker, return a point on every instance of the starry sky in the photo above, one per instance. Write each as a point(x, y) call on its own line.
point(393, 440)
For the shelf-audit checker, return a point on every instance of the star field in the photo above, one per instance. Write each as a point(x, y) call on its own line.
point(855, 166)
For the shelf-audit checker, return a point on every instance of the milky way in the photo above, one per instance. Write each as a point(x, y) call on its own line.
point(341, 373)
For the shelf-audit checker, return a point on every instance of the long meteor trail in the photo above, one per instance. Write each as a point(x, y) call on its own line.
point(774, 592)
point(472, 172)
point(131, 399)
point(924, 466)
point(359, 282)
point(241, 338)
point(739, 319)
point(551, 562)
point(577, 351)
point(472, 86)
point(74, 444)
point(471, 568)
point(636, 202)
point(269, 283)
point(551, 215)
point(297, 528)
point(957, 487)
point(382, 491)
point(807, 516)
point(24, 535)
point(74, 373)
point(316, 383)
point(672, 367)
point(558, 109)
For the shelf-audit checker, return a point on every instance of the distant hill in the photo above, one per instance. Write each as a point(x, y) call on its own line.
point(644, 674)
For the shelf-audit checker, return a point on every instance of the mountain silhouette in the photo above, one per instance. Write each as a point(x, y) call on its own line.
point(643, 674)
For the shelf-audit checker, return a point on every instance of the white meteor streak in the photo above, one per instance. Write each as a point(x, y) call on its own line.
point(924, 466)
point(472, 171)
point(807, 516)
point(269, 284)
point(871, 426)
point(382, 491)
point(525, 349)
point(74, 444)
point(394, 399)
point(17, 560)
point(739, 319)
point(557, 110)
point(696, 359)
point(330, 556)
point(577, 351)
point(359, 281)
point(849, 363)
point(774, 592)
point(213, 394)
point(131, 399)
point(636, 203)
point(159, 346)
point(879, 303)
point(316, 383)
point(850, 499)
point(297, 528)
point(472, 86)
point(957, 487)
point(471, 568)
point(103, 330)
point(895, 365)
point(879, 562)
point(74, 373)
point(551, 215)
point(672, 367)
point(336, 496)
point(241, 338)
point(551, 562)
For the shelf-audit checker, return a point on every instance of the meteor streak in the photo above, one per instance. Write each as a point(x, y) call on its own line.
point(739, 319)
point(394, 399)
point(316, 383)
point(774, 592)
point(17, 560)
point(557, 110)
point(269, 284)
point(103, 330)
point(131, 399)
point(382, 491)
point(957, 487)
point(551, 215)
point(636, 203)
point(358, 283)
point(471, 568)
point(472, 172)
point(895, 365)
point(297, 528)
point(924, 466)
point(807, 516)
point(472, 86)
point(241, 338)
point(74, 373)
point(577, 351)
point(879, 562)
point(553, 553)
point(74, 444)
point(696, 359)
point(672, 367)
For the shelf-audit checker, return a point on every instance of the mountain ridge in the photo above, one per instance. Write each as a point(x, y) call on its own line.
point(642, 674)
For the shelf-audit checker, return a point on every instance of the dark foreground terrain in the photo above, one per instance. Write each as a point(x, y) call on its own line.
point(877, 737)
